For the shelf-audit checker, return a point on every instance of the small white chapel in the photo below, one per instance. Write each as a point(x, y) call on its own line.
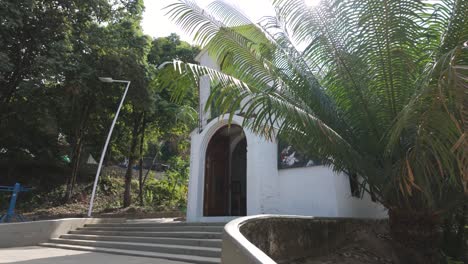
point(234, 172)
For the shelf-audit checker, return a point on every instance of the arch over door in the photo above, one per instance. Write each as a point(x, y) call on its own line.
point(225, 173)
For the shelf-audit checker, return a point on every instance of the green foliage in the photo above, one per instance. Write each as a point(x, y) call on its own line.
point(169, 48)
point(110, 185)
point(176, 180)
point(51, 101)
point(165, 194)
point(148, 197)
point(32, 62)
point(171, 190)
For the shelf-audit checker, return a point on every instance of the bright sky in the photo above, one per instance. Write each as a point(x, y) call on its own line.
point(157, 24)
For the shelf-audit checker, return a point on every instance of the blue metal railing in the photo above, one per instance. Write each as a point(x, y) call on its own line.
point(15, 190)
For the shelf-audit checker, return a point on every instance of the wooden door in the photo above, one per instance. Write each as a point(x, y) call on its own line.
point(216, 177)
point(238, 186)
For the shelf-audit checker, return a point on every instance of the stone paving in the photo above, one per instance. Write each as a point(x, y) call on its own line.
point(43, 255)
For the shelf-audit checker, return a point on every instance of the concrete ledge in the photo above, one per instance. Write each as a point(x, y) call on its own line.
point(270, 239)
point(33, 233)
point(237, 249)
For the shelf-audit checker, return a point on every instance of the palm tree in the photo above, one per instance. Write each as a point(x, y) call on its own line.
point(377, 88)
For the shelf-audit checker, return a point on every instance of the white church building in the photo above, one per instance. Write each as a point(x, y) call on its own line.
point(234, 172)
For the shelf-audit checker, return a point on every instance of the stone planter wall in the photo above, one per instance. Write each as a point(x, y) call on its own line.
point(282, 239)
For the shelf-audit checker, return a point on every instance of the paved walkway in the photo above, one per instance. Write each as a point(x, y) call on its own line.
point(43, 255)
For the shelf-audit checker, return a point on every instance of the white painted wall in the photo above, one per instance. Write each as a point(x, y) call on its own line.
point(350, 206)
point(318, 191)
point(204, 59)
point(308, 191)
point(262, 164)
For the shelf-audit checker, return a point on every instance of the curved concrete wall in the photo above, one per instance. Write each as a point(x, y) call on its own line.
point(237, 248)
point(272, 239)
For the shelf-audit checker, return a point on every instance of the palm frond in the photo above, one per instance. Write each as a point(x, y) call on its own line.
point(434, 123)
point(284, 115)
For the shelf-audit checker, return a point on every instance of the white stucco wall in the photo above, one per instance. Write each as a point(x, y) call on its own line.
point(308, 191)
point(349, 206)
point(204, 59)
point(318, 191)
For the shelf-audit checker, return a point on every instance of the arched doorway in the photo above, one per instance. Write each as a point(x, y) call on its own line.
point(225, 190)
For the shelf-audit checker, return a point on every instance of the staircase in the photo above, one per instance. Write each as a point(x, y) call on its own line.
point(185, 242)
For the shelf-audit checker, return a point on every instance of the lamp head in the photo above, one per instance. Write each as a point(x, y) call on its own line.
point(162, 65)
point(106, 79)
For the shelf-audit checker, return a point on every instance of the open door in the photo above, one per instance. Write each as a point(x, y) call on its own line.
point(225, 173)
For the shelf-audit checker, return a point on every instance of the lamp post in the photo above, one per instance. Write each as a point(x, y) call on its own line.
point(96, 179)
point(162, 65)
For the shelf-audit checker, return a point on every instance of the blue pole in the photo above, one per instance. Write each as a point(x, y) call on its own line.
point(11, 208)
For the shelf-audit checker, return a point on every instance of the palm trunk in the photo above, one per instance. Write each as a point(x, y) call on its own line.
point(416, 235)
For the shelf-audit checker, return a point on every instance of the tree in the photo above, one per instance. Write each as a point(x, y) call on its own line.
point(135, 68)
point(149, 105)
point(379, 90)
point(116, 50)
point(165, 116)
point(80, 90)
point(52, 105)
point(169, 48)
point(37, 39)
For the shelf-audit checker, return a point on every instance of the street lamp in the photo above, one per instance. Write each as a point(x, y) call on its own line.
point(162, 65)
point(96, 179)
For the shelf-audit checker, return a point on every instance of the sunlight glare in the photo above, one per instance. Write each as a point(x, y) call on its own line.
point(312, 2)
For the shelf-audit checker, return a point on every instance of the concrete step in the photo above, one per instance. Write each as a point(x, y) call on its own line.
point(176, 257)
point(153, 224)
point(157, 240)
point(162, 248)
point(157, 228)
point(188, 234)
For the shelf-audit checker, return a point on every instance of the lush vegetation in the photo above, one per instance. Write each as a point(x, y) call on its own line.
point(377, 89)
point(55, 113)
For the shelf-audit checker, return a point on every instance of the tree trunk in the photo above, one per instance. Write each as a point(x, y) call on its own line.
point(127, 201)
point(149, 170)
point(140, 183)
point(76, 156)
point(140, 178)
point(71, 182)
point(416, 235)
